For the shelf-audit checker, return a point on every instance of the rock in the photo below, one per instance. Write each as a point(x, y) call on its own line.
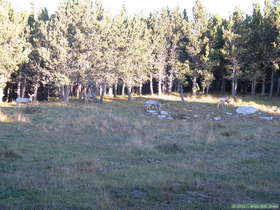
point(266, 118)
point(217, 118)
point(164, 112)
point(162, 116)
point(151, 111)
point(245, 110)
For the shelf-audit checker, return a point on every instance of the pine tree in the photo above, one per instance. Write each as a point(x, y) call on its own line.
point(233, 47)
point(253, 48)
point(13, 46)
point(198, 44)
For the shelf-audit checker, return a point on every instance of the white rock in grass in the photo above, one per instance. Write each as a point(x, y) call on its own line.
point(217, 118)
point(245, 110)
point(151, 111)
point(266, 118)
point(162, 116)
point(164, 112)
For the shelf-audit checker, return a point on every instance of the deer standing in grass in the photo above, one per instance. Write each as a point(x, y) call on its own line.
point(223, 102)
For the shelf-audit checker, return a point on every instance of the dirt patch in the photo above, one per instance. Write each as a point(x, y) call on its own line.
point(169, 148)
point(9, 154)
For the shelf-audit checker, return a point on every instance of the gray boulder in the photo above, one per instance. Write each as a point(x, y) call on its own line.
point(245, 110)
point(164, 112)
point(266, 118)
point(162, 116)
point(217, 118)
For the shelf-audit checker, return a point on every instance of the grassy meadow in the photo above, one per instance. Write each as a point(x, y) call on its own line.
point(116, 156)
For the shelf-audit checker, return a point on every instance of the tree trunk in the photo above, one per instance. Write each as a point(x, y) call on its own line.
point(100, 90)
point(110, 93)
point(23, 87)
point(79, 91)
point(203, 90)
point(159, 85)
point(151, 85)
point(164, 86)
point(115, 90)
point(18, 89)
point(223, 85)
point(278, 86)
point(253, 86)
point(194, 88)
point(178, 87)
point(271, 84)
point(103, 90)
point(170, 84)
point(105, 87)
point(1, 94)
point(66, 93)
point(123, 89)
point(61, 92)
point(48, 92)
point(8, 99)
point(71, 87)
point(182, 92)
point(263, 85)
point(140, 88)
point(129, 93)
point(35, 92)
point(207, 90)
point(234, 83)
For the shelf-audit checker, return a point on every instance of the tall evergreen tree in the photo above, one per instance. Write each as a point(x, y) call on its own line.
point(13, 46)
point(233, 47)
point(198, 44)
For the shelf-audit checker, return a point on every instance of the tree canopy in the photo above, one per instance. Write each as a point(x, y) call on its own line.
point(82, 49)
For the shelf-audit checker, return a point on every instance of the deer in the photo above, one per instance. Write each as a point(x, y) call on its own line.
point(223, 102)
